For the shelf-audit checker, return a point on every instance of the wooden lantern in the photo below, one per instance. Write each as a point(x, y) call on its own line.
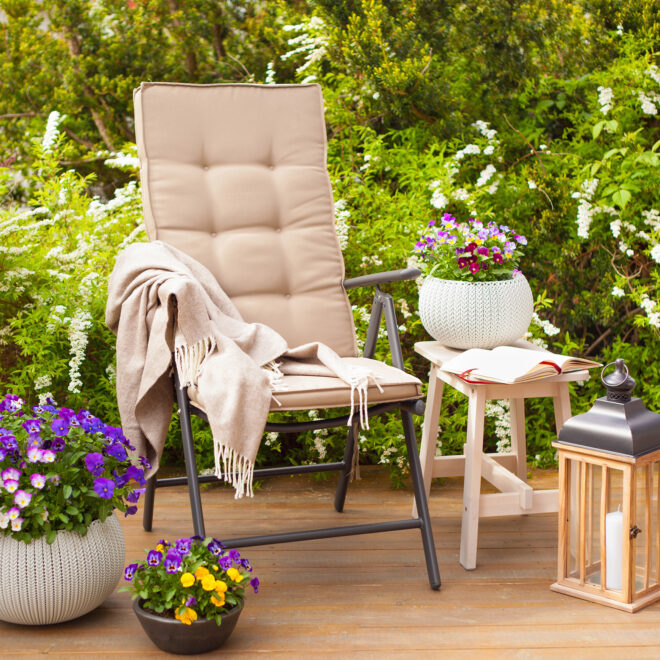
point(609, 489)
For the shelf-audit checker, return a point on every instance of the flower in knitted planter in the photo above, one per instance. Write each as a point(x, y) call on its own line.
point(37, 480)
point(104, 487)
point(22, 498)
point(17, 524)
point(11, 485)
point(4, 520)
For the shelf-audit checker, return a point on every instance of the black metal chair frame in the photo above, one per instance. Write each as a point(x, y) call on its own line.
point(383, 304)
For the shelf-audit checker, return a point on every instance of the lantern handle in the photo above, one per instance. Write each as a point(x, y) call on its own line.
point(621, 382)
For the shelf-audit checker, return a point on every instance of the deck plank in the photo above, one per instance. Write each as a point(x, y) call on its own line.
point(367, 596)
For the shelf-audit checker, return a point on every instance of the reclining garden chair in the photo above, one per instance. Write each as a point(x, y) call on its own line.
point(235, 176)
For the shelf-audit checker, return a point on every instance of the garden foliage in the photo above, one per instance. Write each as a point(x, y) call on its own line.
point(541, 116)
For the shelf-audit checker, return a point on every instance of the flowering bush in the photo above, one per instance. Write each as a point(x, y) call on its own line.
point(61, 470)
point(470, 250)
point(189, 579)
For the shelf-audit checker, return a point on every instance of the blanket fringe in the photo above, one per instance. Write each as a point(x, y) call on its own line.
point(235, 470)
point(189, 360)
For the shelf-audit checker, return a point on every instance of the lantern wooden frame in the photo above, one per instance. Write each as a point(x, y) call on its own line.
point(634, 470)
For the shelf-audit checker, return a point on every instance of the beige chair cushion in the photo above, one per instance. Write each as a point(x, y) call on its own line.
point(307, 392)
point(235, 176)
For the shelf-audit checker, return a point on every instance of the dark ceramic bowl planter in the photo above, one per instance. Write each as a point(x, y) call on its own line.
point(175, 637)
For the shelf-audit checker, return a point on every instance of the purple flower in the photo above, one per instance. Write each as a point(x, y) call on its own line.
point(116, 450)
point(57, 444)
point(104, 488)
point(129, 572)
point(497, 258)
point(234, 555)
point(470, 247)
point(135, 473)
point(11, 403)
point(516, 272)
point(462, 262)
point(3, 454)
point(32, 425)
point(11, 473)
point(254, 583)
point(11, 485)
point(34, 454)
point(94, 463)
point(191, 601)
point(13, 513)
point(37, 480)
point(520, 239)
point(8, 440)
point(172, 561)
point(431, 223)
point(482, 250)
point(130, 511)
point(225, 562)
point(245, 564)
point(120, 479)
point(215, 547)
point(474, 268)
point(134, 495)
point(22, 499)
point(145, 463)
point(183, 546)
point(154, 557)
point(60, 427)
point(47, 456)
point(34, 440)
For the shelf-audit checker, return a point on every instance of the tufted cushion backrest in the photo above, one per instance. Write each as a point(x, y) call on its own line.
point(236, 177)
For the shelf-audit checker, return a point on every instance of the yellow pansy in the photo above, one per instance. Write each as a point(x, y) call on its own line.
point(232, 574)
point(187, 579)
point(217, 602)
point(201, 571)
point(187, 616)
point(208, 583)
point(220, 586)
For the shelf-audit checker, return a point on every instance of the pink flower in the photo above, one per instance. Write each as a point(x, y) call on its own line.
point(13, 513)
point(38, 480)
point(474, 268)
point(11, 485)
point(22, 499)
point(462, 262)
point(483, 250)
point(34, 454)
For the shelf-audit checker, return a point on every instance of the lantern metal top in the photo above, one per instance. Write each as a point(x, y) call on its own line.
point(617, 423)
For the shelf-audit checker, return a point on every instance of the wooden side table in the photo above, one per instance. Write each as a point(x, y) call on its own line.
point(507, 472)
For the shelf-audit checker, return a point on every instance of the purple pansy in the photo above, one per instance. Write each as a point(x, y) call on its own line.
point(474, 268)
point(32, 425)
point(254, 583)
point(116, 450)
point(129, 572)
point(104, 488)
point(22, 499)
point(11, 473)
point(234, 555)
point(225, 562)
point(94, 463)
point(8, 440)
point(37, 480)
point(137, 474)
point(191, 601)
point(215, 547)
point(172, 561)
point(183, 546)
point(11, 485)
point(60, 426)
point(134, 495)
point(130, 511)
point(154, 557)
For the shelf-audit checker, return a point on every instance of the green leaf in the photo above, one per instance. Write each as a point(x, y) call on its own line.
point(51, 535)
point(71, 510)
point(598, 128)
point(621, 198)
point(67, 490)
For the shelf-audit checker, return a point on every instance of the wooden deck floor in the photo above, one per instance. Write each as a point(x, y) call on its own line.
point(368, 596)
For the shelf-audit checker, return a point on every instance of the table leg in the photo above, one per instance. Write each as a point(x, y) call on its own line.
point(562, 403)
point(430, 430)
point(472, 481)
point(518, 439)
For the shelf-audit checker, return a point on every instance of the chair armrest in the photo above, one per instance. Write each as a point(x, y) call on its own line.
point(381, 278)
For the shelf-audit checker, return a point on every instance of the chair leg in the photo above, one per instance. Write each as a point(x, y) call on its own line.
point(149, 496)
point(191, 463)
point(420, 499)
point(345, 474)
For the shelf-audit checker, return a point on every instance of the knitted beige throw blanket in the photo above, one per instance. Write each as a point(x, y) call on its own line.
point(160, 302)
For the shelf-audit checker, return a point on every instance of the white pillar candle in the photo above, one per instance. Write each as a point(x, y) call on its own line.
point(613, 549)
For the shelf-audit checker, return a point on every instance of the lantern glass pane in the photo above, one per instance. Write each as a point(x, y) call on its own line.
point(645, 542)
point(595, 528)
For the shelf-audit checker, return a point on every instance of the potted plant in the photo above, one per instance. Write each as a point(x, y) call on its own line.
point(473, 295)
point(189, 594)
point(62, 474)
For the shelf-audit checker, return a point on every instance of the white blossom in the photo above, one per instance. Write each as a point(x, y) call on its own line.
point(439, 200)
point(499, 411)
point(485, 175)
point(618, 292)
point(605, 99)
point(655, 253)
point(531, 185)
point(615, 228)
point(342, 215)
point(270, 73)
point(470, 149)
point(42, 382)
point(460, 194)
point(648, 106)
point(654, 73)
point(52, 131)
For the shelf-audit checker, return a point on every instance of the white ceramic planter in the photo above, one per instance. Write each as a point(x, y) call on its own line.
point(42, 584)
point(476, 314)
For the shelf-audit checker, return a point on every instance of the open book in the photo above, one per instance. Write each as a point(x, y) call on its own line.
point(508, 364)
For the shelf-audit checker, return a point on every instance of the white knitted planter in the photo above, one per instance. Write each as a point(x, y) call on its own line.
point(475, 314)
point(42, 584)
